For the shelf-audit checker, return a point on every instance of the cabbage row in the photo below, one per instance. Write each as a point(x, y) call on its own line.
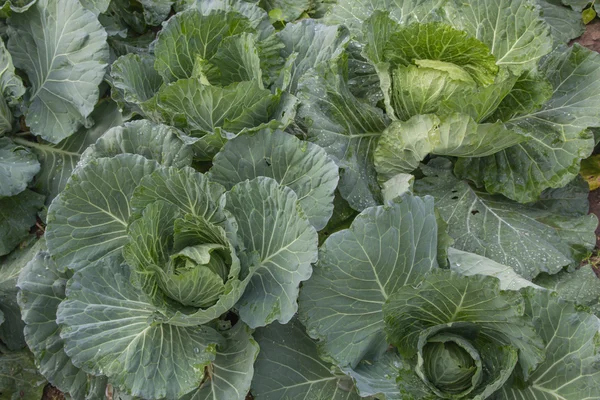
point(307, 199)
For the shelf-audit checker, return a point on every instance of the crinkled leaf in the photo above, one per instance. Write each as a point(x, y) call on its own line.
point(397, 186)
point(581, 286)
point(19, 377)
point(132, 44)
point(440, 42)
point(302, 166)
point(348, 130)
point(156, 11)
point(403, 145)
point(62, 48)
point(363, 80)
point(88, 220)
point(513, 30)
point(385, 248)
point(96, 6)
point(473, 264)
point(257, 17)
point(352, 13)
point(189, 190)
point(18, 166)
point(6, 117)
point(481, 102)
point(279, 242)
point(559, 138)
point(446, 298)
point(17, 215)
point(287, 10)
point(10, 83)
point(232, 369)
point(288, 367)
point(17, 6)
point(417, 90)
point(59, 160)
point(379, 378)
point(528, 238)
point(153, 141)
point(528, 94)
point(570, 369)
point(189, 35)
point(41, 289)
point(111, 327)
point(568, 200)
point(308, 44)
point(236, 60)
point(11, 331)
point(134, 75)
point(200, 109)
point(565, 24)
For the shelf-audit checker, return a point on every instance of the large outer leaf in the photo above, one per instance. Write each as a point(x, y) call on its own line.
point(111, 327)
point(288, 367)
point(559, 139)
point(58, 161)
point(189, 190)
point(88, 220)
point(571, 369)
point(348, 130)
point(63, 49)
point(404, 144)
point(290, 10)
point(386, 248)
point(279, 242)
point(446, 299)
point(134, 75)
point(308, 44)
point(17, 215)
point(18, 166)
point(42, 288)
point(352, 13)
point(473, 264)
point(528, 238)
point(189, 35)
point(568, 200)
point(581, 286)
point(156, 11)
point(236, 60)
point(19, 377)
point(232, 369)
point(6, 117)
point(96, 6)
point(10, 83)
point(153, 141)
point(257, 17)
point(11, 331)
point(200, 109)
point(565, 24)
point(379, 379)
point(513, 29)
point(302, 166)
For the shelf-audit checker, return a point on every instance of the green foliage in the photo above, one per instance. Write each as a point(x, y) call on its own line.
point(313, 199)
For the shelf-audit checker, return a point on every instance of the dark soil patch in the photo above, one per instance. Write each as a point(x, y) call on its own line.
point(52, 393)
point(591, 36)
point(594, 198)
